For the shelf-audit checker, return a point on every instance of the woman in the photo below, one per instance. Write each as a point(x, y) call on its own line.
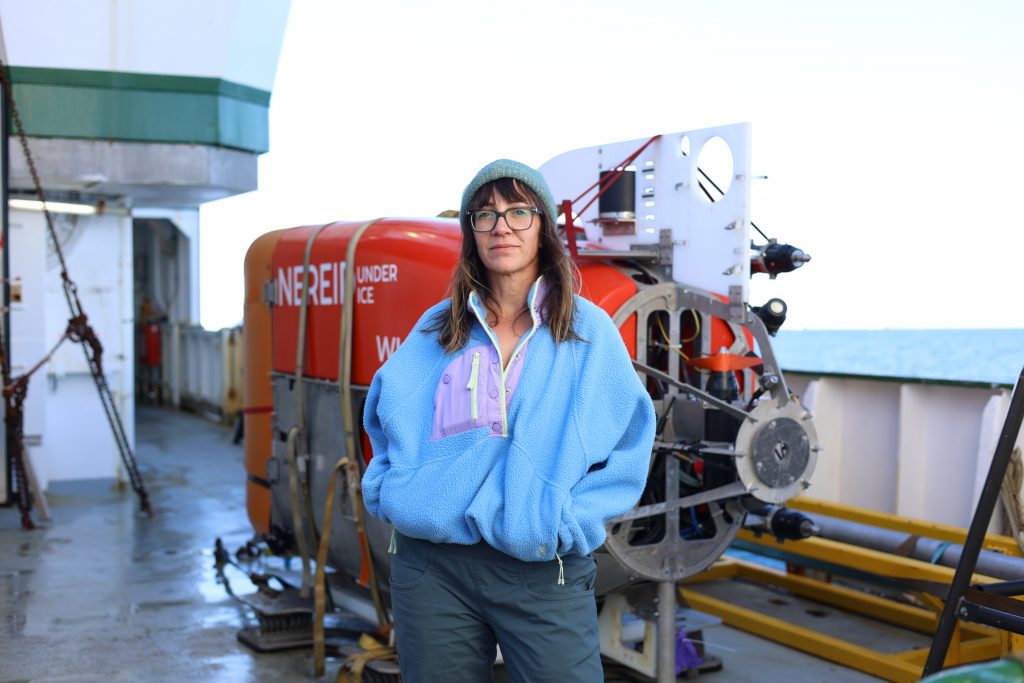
point(506, 431)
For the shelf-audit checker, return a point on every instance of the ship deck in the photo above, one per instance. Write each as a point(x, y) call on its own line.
point(103, 593)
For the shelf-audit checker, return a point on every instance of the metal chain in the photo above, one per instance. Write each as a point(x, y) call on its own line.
point(14, 422)
point(78, 328)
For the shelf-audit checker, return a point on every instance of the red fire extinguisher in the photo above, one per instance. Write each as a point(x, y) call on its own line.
point(151, 354)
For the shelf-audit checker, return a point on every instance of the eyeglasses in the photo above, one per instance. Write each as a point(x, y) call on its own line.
point(517, 218)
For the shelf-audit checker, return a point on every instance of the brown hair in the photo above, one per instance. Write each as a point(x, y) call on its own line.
point(559, 307)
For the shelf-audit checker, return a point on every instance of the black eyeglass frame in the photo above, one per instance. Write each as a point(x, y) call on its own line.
point(501, 215)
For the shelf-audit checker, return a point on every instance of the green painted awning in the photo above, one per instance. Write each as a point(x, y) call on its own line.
point(134, 107)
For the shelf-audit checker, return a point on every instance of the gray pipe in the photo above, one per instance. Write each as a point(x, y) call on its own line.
point(1006, 567)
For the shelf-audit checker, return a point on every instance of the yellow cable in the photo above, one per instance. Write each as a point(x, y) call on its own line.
point(669, 341)
point(696, 323)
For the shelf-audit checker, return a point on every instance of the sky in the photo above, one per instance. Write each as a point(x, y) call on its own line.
point(889, 132)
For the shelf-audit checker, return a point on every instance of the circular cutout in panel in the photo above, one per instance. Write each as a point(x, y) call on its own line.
point(684, 145)
point(714, 163)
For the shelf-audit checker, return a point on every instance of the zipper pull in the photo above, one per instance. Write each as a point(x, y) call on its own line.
point(561, 571)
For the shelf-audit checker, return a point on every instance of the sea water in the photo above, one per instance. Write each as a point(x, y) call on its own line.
point(989, 356)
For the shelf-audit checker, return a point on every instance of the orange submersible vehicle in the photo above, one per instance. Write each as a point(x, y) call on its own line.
point(665, 251)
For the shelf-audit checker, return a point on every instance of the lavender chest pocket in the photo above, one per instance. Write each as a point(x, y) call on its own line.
point(460, 400)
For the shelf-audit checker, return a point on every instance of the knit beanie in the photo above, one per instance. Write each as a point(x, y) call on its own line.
point(506, 168)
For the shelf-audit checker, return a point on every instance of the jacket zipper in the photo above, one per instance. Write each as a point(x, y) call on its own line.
point(474, 378)
point(504, 369)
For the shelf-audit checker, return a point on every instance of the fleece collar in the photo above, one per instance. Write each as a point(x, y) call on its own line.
point(535, 298)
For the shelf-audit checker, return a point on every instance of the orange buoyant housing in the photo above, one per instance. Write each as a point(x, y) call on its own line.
point(256, 389)
point(400, 268)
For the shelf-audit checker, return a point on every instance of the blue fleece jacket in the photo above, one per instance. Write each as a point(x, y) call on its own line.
point(580, 427)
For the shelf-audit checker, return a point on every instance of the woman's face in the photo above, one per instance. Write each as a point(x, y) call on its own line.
point(509, 252)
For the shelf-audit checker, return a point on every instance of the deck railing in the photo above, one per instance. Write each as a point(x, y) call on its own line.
point(201, 369)
point(914, 447)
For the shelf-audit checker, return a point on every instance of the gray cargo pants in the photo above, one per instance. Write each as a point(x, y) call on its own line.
point(452, 604)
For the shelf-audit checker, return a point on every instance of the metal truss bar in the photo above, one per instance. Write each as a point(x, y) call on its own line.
point(975, 536)
point(899, 614)
point(725, 568)
point(992, 609)
point(722, 492)
point(989, 647)
point(693, 391)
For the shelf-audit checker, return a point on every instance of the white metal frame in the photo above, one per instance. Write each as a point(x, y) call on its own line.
point(710, 240)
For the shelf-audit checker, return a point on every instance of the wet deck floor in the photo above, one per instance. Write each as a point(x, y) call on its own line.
point(102, 593)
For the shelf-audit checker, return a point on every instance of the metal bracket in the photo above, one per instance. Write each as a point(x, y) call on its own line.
point(737, 307)
point(665, 247)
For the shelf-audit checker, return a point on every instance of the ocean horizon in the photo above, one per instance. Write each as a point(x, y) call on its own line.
point(993, 356)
